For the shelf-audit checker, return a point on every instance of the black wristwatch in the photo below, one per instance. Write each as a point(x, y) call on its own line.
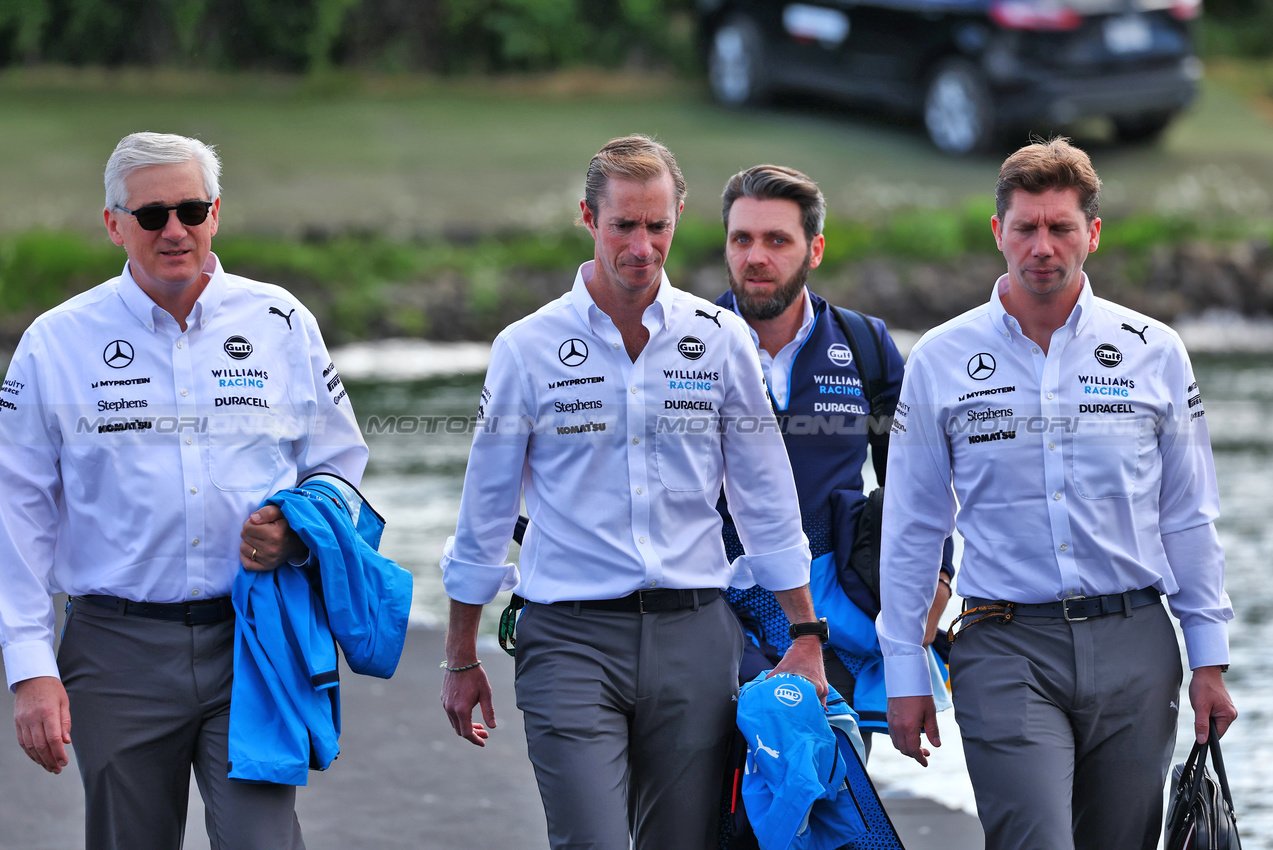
point(819, 628)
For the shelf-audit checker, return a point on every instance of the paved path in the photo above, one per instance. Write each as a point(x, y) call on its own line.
point(403, 779)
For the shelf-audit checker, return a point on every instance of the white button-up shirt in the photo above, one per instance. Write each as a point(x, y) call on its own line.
point(621, 462)
point(1085, 471)
point(132, 452)
point(777, 367)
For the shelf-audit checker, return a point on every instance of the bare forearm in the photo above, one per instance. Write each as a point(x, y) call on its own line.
point(797, 604)
point(461, 633)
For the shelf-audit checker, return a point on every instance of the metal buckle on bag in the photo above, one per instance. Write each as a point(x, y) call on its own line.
point(1065, 609)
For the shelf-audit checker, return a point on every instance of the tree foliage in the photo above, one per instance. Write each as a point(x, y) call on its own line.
point(314, 35)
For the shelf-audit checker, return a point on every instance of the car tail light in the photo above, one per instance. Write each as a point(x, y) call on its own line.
point(1041, 15)
point(1186, 10)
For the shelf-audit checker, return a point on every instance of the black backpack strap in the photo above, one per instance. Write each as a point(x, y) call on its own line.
point(868, 354)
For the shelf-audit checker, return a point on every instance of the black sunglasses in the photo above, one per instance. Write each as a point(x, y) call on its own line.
point(155, 216)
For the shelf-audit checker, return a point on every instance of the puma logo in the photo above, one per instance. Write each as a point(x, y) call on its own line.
point(1140, 333)
point(287, 317)
point(761, 748)
point(707, 315)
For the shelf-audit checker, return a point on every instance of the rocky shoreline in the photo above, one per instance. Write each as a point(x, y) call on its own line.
point(1173, 283)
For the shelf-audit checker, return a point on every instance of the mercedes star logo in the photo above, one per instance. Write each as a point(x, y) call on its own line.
point(573, 352)
point(981, 366)
point(118, 354)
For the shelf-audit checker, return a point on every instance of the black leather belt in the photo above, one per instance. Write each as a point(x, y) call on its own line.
point(202, 613)
point(1077, 608)
point(650, 601)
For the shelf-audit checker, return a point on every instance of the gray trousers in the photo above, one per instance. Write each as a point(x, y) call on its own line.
point(1068, 728)
point(628, 722)
point(149, 699)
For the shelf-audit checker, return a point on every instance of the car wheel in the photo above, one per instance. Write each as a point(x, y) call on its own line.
point(958, 111)
point(736, 64)
point(1142, 128)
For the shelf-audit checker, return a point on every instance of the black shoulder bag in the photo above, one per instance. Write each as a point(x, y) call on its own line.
point(1201, 814)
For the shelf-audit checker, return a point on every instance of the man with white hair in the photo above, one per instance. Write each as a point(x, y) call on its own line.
point(141, 424)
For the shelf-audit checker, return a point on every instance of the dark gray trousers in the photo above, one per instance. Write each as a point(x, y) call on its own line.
point(1068, 728)
point(628, 722)
point(149, 699)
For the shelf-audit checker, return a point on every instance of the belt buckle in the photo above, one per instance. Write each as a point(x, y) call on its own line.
point(641, 602)
point(1065, 609)
point(188, 612)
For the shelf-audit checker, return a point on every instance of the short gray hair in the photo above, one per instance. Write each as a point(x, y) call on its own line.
point(142, 150)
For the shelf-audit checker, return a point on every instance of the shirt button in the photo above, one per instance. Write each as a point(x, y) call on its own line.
point(616, 346)
point(194, 542)
point(1035, 349)
point(653, 583)
point(640, 491)
point(1056, 497)
point(1051, 447)
point(1007, 335)
point(189, 440)
point(636, 440)
point(1049, 395)
point(180, 344)
point(634, 389)
point(185, 392)
point(642, 540)
point(1064, 547)
point(194, 592)
point(194, 490)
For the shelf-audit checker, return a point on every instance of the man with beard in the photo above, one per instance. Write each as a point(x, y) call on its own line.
point(773, 222)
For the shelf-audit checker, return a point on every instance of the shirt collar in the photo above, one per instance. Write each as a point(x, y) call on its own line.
point(151, 314)
point(806, 324)
point(590, 313)
point(1076, 321)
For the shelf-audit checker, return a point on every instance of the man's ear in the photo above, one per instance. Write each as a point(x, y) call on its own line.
point(585, 215)
point(112, 227)
point(996, 227)
point(816, 247)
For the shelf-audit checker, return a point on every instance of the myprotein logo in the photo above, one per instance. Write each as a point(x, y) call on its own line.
point(238, 348)
point(788, 695)
point(691, 347)
point(118, 353)
point(839, 354)
point(1107, 355)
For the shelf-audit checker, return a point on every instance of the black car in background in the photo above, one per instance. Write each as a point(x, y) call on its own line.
point(975, 70)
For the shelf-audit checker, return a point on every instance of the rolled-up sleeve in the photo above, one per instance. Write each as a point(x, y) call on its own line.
point(29, 451)
point(919, 514)
point(1189, 503)
point(473, 565)
point(759, 484)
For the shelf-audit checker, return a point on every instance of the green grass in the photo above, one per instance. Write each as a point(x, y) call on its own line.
point(408, 157)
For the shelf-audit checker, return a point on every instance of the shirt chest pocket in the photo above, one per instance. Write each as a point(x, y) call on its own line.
point(244, 452)
point(687, 451)
point(1106, 455)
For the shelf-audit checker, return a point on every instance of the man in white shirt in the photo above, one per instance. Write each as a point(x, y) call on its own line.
point(143, 422)
point(1069, 435)
point(618, 411)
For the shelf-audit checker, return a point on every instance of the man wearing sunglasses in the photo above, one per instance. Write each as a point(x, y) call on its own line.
point(141, 424)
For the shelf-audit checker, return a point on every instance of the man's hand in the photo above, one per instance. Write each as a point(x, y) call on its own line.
point(804, 658)
point(940, 598)
point(1210, 698)
point(42, 715)
point(268, 541)
point(906, 717)
point(462, 691)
